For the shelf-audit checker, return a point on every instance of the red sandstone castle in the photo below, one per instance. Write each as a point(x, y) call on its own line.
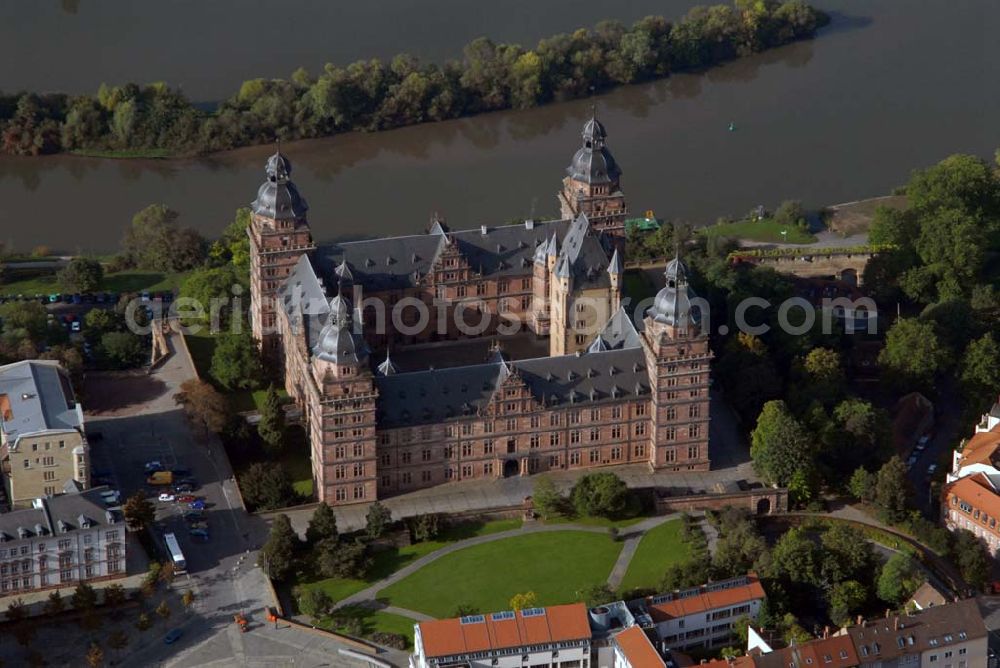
point(615, 389)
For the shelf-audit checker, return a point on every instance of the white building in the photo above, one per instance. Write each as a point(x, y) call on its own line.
point(555, 637)
point(704, 616)
point(60, 542)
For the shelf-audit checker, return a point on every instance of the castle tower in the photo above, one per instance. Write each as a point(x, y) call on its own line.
point(541, 273)
point(616, 269)
point(678, 358)
point(279, 235)
point(342, 431)
point(592, 185)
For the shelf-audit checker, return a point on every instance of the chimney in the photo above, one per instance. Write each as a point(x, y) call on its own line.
point(895, 624)
point(887, 613)
point(861, 621)
point(483, 230)
point(826, 632)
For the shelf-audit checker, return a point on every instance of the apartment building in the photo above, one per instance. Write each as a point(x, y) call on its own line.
point(60, 542)
point(555, 637)
point(702, 617)
point(951, 635)
point(633, 649)
point(43, 447)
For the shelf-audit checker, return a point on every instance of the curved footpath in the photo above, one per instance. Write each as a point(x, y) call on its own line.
point(631, 537)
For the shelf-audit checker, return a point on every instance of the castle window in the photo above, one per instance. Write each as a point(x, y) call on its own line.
point(574, 417)
point(595, 434)
point(341, 494)
point(407, 478)
point(488, 468)
point(640, 450)
point(616, 453)
point(671, 413)
point(386, 459)
point(525, 303)
point(554, 420)
point(466, 449)
point(535, 421)
point(466, 470)
point(386, 481)
point(533, 443)
point(460, 291)
point(359, 491)
point(669, 455)
point(503, 286)
point(406, 457)
point(554, 439)
point(694, 410)
point(553, 461)
point(692, 452)
point(449, 473)
point(616, 432)
point(581, 339)
point(480, 289)
point(339, 472)
point(574, 458)
point(425, 476)
point(695, 430)
point(574, 436)
point(425, 455)
point(466, 429)
point(359, 470)
point(595, 415)
point(511, 424)
point(616, 412)
point(488, 446)
point(595, 456)
point(359, 450)
point(640, 428)
point(339, 452)
point(669, 434)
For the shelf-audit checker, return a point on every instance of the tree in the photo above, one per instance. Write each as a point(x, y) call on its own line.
point(279, 551)
point(84, 597)
point(272, 422)
point(465, 610)
point(140, 513)
point(188, 598)
point(598, 594)
point(24, 320)
point(846, 554)
point(790, 213)
point(822, 378)
point(546, 499)
point(523, 601)
point(972, 558)
point(203, 405)
point(121, 350)
point(236, 362)
point(377, 520)
point(163, 610)
point(912, 355)
point(425, 527)
point(899, 578)
point(862, 485)
point(167, 572)
point(210, 291)
point(846, 599)
point(779, 445)
point(114, 596)
point(55, 604)
point(143, 622)
point(892, 489)
point(795, 558)
point(323, 524)
point(342, 560)
point(233, 247)
point(739, 547)
point(81, 275)
point(266, 486)
point(95, 656)
point(314, 602)
point(980, 369)
point(154, 241)
point(16, 611)
point(117, 640)
point(600, 494)
point(687, 574)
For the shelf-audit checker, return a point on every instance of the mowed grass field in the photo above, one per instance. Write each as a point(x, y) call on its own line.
point(553, 565)
point(660, 548)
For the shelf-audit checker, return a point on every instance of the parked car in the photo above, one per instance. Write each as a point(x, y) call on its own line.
point(931, 469)
point(182, 473)
point(193, 516)
point(183, 487)
point(187, 481)
point(200, 524)
point(911, 461)
point(186, 498)
point(153, 466)
point(200, 533)
point(166, 497)
point(197, 504)
point(173, 636)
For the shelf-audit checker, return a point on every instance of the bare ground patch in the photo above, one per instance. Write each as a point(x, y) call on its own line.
point(855, 217)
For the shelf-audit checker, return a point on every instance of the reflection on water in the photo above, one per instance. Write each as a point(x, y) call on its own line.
point(832, 120)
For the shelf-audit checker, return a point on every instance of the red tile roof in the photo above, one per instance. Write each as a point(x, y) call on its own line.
point(637, 649)
point(981, 447)
point(559, 623)
point(721, 598)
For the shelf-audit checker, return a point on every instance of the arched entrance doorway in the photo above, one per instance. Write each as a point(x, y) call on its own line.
point(764, 506)
point(849, 276)
point(511, 468)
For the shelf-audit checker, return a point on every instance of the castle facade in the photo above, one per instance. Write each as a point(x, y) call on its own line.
point(614, 389)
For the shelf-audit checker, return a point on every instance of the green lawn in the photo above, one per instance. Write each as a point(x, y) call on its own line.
point(658, 549)
point(553, 565)
point(637, 285)
point(123, 281)
point(202, 346)
point(386, 562)
point(595, 521)
point(763, 230)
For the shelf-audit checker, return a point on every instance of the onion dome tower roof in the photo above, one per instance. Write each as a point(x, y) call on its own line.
point(672, 305)
point(277, 197)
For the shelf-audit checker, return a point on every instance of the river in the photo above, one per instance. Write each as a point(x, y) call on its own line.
point(888, 87)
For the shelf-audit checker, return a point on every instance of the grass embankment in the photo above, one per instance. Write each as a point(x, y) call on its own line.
point(121, 282)
point(595, 521)
point(766, 231)
point(487, 576)
point(372, 622)
point(386, 562)
point(659, 549)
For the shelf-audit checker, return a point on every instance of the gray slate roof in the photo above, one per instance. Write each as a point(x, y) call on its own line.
point(583, 256)
point(619, 332)
point(438, 395)
point(593, 163)
point(40, 398)
point(394, 263)
point(278, 197)
point(58, 514)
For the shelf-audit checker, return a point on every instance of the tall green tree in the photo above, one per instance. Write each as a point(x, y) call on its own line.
point(236, 363)
point(600, 494)
point(139, 512)
point(155, 241)
point(278, 553)
point(912, 355)
point(898, 579)
point(980, 371)
point(82, 274)
point(377, 520)
point(779, 445)
point(972, 558)
point(323, 524)
point(892, 489)
point(846, 599)
point(266, 486)
point(271, 427)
